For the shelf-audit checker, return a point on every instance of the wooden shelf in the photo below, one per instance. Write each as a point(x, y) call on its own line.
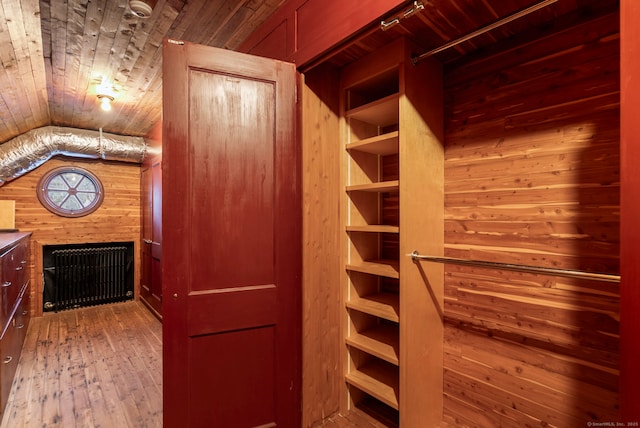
point(385, 144)
point(378, 380)
point(382, 112)
point(381, 187)
point(381, 342)
point(372, 164)
point(382, 228)
point(382, 305)
point(387, 268)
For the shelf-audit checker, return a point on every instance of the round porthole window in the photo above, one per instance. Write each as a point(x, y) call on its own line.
point(70, 191)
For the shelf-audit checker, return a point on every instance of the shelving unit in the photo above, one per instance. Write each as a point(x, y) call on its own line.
point(372, 337)
point(391, 141)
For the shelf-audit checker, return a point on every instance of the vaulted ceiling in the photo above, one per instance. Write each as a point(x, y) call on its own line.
point(56, 53)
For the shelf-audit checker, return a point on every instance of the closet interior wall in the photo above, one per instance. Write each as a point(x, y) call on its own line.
point(532, 177)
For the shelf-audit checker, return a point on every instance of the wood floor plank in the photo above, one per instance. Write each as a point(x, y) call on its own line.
point(49, 403)
point(89, 367)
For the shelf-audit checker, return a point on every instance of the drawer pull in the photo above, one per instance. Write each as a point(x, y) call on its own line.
point(23, 262)
point(7, 359)
point(20, 268)
point(6, 284)
point(20, 326)
point(25, 313)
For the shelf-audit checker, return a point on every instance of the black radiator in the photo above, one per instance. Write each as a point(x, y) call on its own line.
point(81, 277)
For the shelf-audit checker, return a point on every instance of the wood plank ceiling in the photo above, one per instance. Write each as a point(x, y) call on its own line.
point(56, 53)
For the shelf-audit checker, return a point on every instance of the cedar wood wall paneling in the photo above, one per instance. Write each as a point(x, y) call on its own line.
point(117, 220)
point(321, 312)
point(532, 177)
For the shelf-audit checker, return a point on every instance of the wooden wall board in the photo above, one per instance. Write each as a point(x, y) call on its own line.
point(522, 382)
point(321, 374)
point(421, 228)
point(117, 220)
point(532, 176)
point(7, 214)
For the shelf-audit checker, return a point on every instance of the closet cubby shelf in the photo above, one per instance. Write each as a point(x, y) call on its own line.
point(378, 380)
point(387, 268)
point(381, 305)
point(381, 187)
point(383, 145)
point(382, 112)
point(381, 341)
point(374, 228)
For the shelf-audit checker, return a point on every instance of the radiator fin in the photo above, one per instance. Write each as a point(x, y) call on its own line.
point(87, 277)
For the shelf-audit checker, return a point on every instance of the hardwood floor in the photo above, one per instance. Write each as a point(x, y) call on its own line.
point(101, 367)
point(90, 367)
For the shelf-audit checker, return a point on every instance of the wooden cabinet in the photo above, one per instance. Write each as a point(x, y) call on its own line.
point(372, 228)
point(15, 306)
point(392, 204)
point(301, 30)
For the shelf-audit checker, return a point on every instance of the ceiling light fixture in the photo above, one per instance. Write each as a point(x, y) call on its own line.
point(105, 102)
point(142, 8)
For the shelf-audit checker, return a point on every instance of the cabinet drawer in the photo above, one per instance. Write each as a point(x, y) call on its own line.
point(10, 346)
point(20, 321)
point(9, 295)
point(14, 277)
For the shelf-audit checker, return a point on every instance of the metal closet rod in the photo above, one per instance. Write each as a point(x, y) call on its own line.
point(567, 273)
point(483, 30)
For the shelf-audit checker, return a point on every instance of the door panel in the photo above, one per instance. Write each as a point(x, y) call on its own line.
point(151, 279)
point(156, 238)
point(145, 274)
point(233, 180)
point(232, 227)
point(245, 307)
point(242, 406)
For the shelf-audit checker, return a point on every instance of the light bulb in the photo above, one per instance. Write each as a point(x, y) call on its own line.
point(105, 102)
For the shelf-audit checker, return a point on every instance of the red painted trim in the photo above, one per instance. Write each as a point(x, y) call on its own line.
point(630, 211)
point(314, 27)
point(175, 216)
point(154, 145)
point(254, 44)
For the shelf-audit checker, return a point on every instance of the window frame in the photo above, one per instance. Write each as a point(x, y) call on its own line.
point(47, 202)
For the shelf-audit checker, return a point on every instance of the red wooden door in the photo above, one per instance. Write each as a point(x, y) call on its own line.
point(231, 235)
point(151, 279)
